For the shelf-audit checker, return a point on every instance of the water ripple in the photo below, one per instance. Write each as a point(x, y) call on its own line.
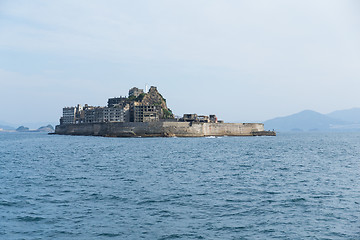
point(293, 186)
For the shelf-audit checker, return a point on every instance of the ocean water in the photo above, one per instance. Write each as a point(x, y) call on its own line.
point(293, 186)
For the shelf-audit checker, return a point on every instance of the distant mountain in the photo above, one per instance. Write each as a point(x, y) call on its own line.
point(35, 125)
point(22, 129)
point(6, 127)
point(306, 121)
point(349, 115)
point(48, 128)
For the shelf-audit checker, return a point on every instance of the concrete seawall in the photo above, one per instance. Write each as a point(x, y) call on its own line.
point(162, 129)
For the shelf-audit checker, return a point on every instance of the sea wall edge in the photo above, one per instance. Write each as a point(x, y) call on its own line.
point(162, 129)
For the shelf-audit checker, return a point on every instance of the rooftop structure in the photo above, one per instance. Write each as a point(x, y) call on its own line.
point(135, 92)
point(113, 102)
point(193, 117)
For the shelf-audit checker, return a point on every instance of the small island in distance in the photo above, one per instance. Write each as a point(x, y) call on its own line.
point(47, 129)
point(145, 114)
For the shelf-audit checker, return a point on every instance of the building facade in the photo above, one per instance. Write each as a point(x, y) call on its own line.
point(193, 117)
point(117, 102)
point(106, 114)
point(72, 115)
point(144, 112)
point(135, 92)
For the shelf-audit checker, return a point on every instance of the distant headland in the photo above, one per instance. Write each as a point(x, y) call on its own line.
point(146, 114)
point(49, 129)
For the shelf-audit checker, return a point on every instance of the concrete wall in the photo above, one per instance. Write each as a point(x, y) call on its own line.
point(160, 129)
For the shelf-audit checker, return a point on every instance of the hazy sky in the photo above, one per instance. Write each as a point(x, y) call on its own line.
point(242, 60)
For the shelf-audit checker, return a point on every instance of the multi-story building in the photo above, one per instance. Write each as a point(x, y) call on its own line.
point(93, 114)
point(116, 114)
point(117, 102)
point(107, 114)
point(72, 115)
point(144, 113)
point(150, 108)
point(135, 91)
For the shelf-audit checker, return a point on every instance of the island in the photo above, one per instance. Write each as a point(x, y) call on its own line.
point(145, 114)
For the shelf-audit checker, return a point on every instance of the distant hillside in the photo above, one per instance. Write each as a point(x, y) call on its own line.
point(349, 115)
point(305, 121)
point(5, 127)
point(32, 125)
point(22, 129)
point(48, 128)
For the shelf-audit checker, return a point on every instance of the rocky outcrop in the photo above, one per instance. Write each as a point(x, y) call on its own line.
point(153, 97)
point(22, 129)
point(48, 128)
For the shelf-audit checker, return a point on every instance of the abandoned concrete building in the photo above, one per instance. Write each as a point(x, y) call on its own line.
point(138, 107)
point(106, 114)
point(193, 117)
point(144, 113)
point(117, 101)
point(135, 92)
point(119, 109)
point(72, 115)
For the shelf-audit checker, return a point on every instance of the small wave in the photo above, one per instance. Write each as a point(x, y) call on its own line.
point(114, 197)
point(283, 169)
point(272, 192)
point(268, 201)
point(320, 196)
point(300, 199)
point(232, 229)
point(109, 234)
point(181, 236)
point(7, 203)
point(62, 232)
point(30, 219)
point(152, 201)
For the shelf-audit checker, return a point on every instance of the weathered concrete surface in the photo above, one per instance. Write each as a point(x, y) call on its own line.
point(161, 129)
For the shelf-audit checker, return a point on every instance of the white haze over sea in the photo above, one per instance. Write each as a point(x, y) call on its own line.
point(242, 60)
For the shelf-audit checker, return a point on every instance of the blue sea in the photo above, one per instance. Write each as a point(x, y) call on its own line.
point(292, 186)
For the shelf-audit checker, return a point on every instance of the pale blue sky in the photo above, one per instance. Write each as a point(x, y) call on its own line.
point(242, 60)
